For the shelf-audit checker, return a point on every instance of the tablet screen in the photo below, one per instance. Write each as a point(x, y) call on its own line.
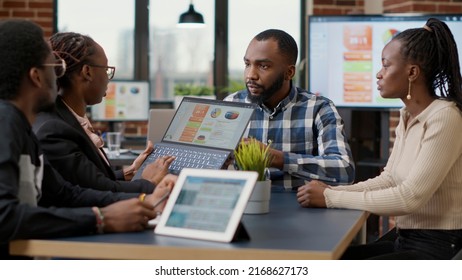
point(207, 204)
point(198, 196)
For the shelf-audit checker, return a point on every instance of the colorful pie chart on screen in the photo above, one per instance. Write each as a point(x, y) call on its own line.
point(388, 34)
point(215, 113)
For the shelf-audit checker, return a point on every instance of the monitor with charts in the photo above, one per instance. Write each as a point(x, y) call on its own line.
point(207, 205)
point(344, 54)
point(202, 134)
point(124, 101)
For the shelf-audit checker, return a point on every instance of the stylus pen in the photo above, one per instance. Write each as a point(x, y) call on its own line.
point(164, 197)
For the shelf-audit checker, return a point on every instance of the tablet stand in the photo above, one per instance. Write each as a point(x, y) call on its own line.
point(241, 233)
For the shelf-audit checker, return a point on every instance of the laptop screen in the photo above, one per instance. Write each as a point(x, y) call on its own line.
point(209, 123)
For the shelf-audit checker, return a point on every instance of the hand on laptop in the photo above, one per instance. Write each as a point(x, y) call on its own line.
point(130, 171)
point(157, 170)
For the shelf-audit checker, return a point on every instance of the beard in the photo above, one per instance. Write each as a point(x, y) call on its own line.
point(266, 93)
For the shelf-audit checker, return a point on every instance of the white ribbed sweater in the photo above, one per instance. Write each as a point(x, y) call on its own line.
point(422, 181)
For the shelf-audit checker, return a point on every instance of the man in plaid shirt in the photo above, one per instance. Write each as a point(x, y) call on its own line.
point(306, 132)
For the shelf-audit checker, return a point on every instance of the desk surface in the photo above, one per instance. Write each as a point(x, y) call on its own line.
point(287, 232)
point(124, 158)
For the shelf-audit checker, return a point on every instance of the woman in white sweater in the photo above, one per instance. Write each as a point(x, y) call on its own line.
point(422, 181)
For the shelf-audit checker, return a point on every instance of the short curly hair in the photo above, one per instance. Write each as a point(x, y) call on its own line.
point(286, 43)
point(22, 46)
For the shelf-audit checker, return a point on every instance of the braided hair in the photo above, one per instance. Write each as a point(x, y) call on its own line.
point(434, 49)
point(75, 49)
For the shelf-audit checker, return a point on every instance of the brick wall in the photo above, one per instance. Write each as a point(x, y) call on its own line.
point(336, 7)
point(422, 6)
point(39, 11)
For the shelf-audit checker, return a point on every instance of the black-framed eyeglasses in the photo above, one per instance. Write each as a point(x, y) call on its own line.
point(110, 70)
point(59, 67)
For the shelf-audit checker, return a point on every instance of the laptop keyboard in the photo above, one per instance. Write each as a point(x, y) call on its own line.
point(192, 158)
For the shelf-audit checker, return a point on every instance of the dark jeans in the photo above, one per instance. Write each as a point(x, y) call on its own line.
point(416, 244)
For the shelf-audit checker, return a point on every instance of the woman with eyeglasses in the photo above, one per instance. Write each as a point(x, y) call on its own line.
point(66, 134)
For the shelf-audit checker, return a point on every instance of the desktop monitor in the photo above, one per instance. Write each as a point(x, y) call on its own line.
point(344, 54)
point(124, 101)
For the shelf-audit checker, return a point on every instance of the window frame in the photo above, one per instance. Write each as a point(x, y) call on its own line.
point(220, 63)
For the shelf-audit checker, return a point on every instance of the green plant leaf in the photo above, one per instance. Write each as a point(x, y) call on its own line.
point(191, 89)
point(252, 156)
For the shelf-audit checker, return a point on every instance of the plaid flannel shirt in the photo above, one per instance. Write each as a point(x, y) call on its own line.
point(310, 133)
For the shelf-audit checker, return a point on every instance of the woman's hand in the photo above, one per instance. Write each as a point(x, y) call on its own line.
point(130, 171)
point(142, 157)
point(157, 170)
point(312, 194)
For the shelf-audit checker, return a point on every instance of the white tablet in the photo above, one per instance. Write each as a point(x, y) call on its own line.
point(207, 204)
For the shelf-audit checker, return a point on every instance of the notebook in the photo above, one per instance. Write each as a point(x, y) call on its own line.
point(202, 134)
point(207, 205)
point(159, 119)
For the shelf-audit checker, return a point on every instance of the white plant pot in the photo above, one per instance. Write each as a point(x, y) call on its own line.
point(259, 199)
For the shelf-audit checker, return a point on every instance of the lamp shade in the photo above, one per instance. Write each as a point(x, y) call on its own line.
point(191, 17)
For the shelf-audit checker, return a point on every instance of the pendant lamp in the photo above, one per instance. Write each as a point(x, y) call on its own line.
point(191, 18)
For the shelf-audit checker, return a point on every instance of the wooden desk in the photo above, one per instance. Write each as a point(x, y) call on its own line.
point(287, 232)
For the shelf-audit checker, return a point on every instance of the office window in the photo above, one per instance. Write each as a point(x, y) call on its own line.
point(110, 23)
point(248, 18)
point(178, 55)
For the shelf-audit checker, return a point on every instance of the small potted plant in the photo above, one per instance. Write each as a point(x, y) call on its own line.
point(252, 156)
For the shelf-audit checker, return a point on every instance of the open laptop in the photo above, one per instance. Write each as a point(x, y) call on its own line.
point(159, 119)
point(202, 134)
point(207, 205)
